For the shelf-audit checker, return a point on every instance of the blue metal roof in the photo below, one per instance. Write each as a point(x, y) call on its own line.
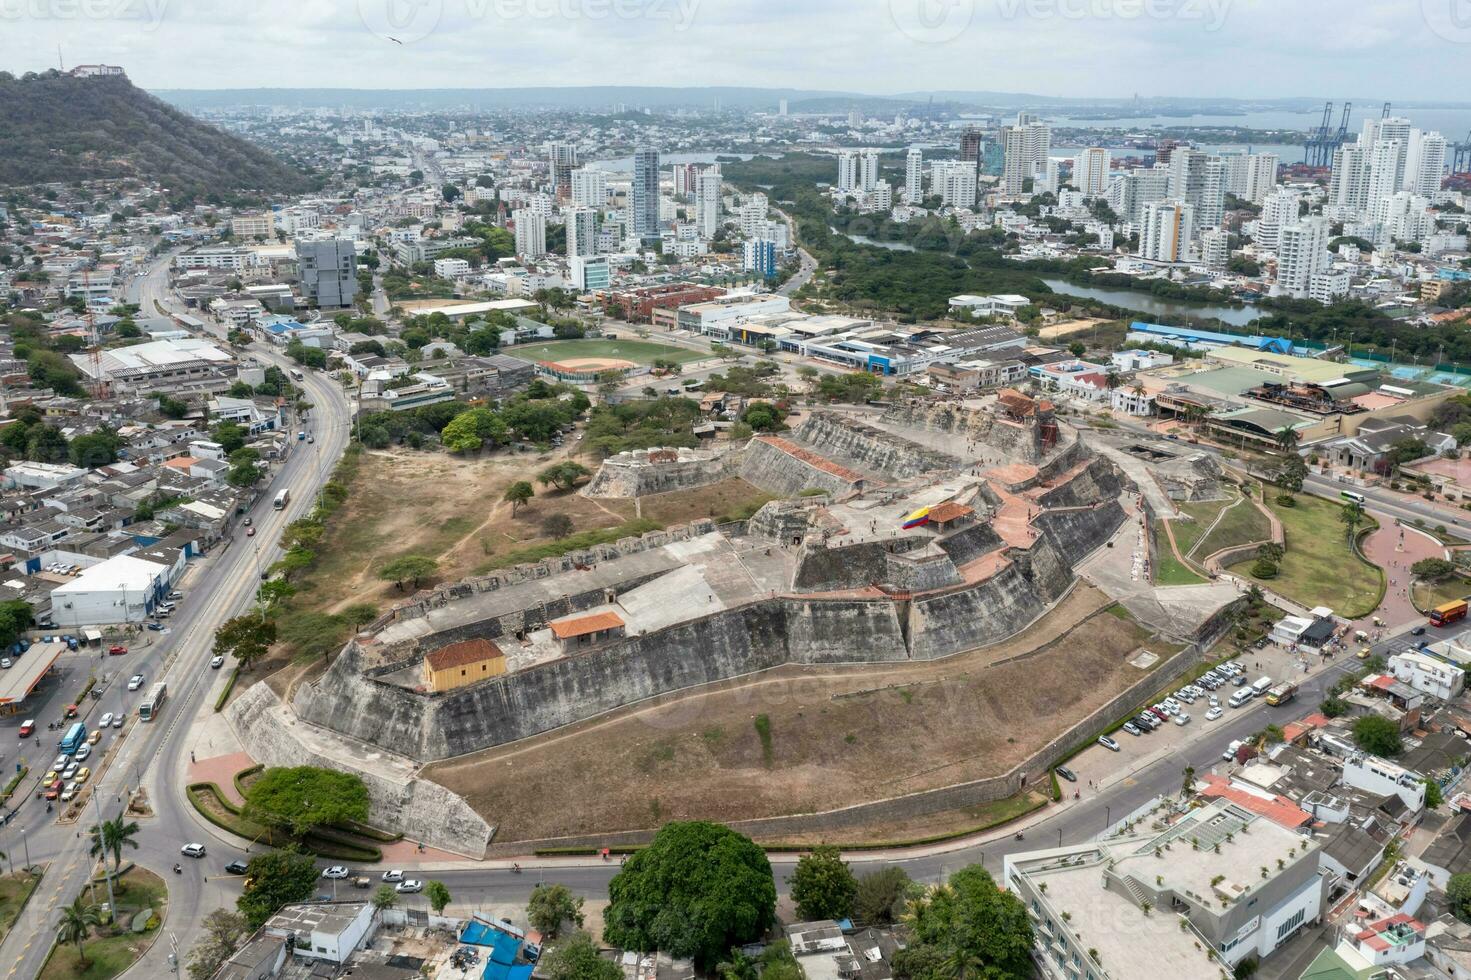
point(1280, 345)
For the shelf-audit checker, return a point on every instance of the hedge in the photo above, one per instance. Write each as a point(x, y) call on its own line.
point(14, 782)
point(314, 843)
point(225, 691)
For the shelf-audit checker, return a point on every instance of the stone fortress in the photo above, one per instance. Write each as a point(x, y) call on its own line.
point(915, 534)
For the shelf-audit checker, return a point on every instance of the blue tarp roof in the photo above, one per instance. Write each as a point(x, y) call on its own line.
point(1280, 345)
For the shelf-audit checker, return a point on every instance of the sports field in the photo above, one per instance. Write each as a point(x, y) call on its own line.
point(640, 351)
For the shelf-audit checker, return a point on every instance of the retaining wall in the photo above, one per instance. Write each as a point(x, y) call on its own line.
point(631, 474)
point(871, 450)
point(778, 472)
point(420, 809)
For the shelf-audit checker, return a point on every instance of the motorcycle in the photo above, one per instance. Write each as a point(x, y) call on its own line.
point(515, 869)
point(1021, 836)
point(178, 869)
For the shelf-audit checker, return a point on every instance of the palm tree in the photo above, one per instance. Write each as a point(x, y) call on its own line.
point(1352, 515)
point(111, 838)
point(1187, 785)
point(77, 921)
point(1287, 439)
point(1111, 380)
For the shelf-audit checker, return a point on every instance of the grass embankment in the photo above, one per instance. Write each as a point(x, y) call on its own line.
point(1321, 568)
point(1241, 524)
point(113, 947)
point(15, 891)
point(638, 351)
point(1167, 568)
point(1427, 595)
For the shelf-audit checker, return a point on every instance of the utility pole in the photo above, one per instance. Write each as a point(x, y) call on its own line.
point(101, 846)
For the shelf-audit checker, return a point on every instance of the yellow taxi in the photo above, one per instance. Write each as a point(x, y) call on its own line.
point(51, 776)
point(82, 775)
point(1363, 653)
point(95, 737)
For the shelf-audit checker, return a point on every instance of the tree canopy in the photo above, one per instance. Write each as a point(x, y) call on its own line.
point(302, 798)
point(697, 890)
point(1377, 735)
point(576, 958)
point(968, 923)
point(277, 878)
point(823, 887)
point(414, 568)
point(246, 638)
point(550, 906)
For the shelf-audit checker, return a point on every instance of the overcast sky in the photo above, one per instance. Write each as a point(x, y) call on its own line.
point(1376, 49)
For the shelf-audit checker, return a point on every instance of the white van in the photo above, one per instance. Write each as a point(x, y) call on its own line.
point(1242, 696)
point(1231, 749)
point(1261, 685)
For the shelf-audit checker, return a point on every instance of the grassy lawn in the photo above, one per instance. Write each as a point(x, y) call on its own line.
point(14, 890)
point(640, 351)
point(1241, 524)
point(1320, 568)
point(1202, 513)
point(109, 954)
point(1428, 596)
point(1167, 569)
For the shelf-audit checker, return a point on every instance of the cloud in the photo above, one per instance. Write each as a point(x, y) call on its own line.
point(1243, 48)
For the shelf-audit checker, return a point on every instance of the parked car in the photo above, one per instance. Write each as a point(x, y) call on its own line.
point(409, 886)
point(393, 875)
point(1067, 774)
point(1108, 743)
point(175, 596)
point(1132, 729)
point(1182, 719)
point(192, 849)
point(117, 650)
point(337, 872)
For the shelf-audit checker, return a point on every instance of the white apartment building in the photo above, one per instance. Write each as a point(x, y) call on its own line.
point(451, 268)
point(1376, 775)
point(847, 171)
point(1025, 147)
point(582, 231)
point(1128, 193)
point(227, 257)
point(589, 187)
point(1302, 253)
point(955, 182)
point(253, 225)
point(1090, 171)
point(868, 170)
point(1199, 180)
point(1405, 216)
point(1424, 163)
point(1427, 674)
point(1279, 210)
point(531, 233)
point(1166, 231)
point(1215, 249)
point(1261, 176)
point(1349, 184)
point(752, 215)
point(914, 175)
point(1330, 286)
point(707, 203)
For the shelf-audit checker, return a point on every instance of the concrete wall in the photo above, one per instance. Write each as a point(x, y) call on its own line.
point(1018, 441)
point(870, 450)
point(630, 474)
point(421, 810)
point(777, 472)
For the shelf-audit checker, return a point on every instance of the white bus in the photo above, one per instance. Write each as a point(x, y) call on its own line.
point(1357, 498)
point(296, 374)
point(282, 498)
point(148, 710)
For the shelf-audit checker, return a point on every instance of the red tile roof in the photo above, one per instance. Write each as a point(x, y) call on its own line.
point(1280, 810)
point(462, 654)
point(949, 511)
point(566, 629)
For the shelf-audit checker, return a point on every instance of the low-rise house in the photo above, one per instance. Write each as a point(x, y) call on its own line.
point(461, 664)
point(1428, 674)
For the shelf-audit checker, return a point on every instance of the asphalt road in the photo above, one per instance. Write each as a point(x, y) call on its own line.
point(219, 586)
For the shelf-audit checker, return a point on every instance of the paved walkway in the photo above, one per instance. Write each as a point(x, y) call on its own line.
point(221, 770)
point(1394, 549)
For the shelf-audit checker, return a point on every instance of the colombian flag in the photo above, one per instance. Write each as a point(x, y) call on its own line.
point(921, 516)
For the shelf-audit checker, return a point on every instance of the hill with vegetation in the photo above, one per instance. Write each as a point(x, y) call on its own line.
point(54, 127)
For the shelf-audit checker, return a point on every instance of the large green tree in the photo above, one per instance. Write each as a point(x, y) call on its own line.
point(966, 928)
point(550, 906)
point(413, 568)
point(697, 890)
point(302, 798)
point(246, 638)
point(1377, 735)
point(881, 895)
point(576, 958)
point(823, 887)
point(277, 878)
point(1458, 891)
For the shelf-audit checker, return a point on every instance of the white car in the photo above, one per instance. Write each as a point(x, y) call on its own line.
point(1214, 713)
point(1182, 719)
point(337, 871)
point(70, 770)
point(216, 662)
point(62, 761)
point(70, 792)
point(118, 719)
point(5, 663)
point(105, 721)
point(409, 886)
point(393, 876)
point(82, 752)
point(135, 682)
point(192, 850)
